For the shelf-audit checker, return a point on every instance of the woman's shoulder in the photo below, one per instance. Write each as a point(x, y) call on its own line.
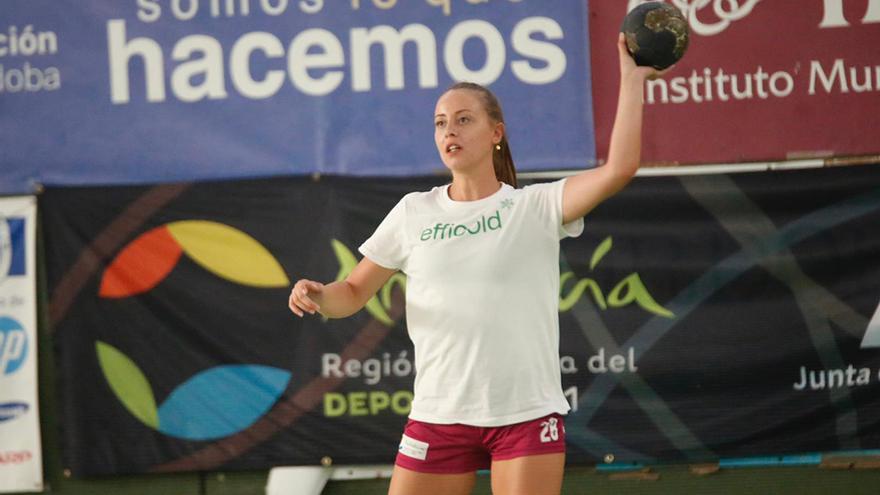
point(420, 202)
point(425, 197)
point(544, 187)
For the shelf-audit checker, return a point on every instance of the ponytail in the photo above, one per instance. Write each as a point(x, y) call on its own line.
point(503, 162)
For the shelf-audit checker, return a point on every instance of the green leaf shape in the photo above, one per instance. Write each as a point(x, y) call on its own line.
point(600, 252)
point(396, 279)
point(347, 262)
point(128, 383)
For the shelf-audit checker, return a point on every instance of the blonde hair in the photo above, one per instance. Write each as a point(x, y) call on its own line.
point(502, 160)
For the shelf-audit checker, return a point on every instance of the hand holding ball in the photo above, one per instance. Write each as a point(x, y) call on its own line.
point(656, 34)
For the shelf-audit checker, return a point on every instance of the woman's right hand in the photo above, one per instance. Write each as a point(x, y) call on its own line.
point(300, 301)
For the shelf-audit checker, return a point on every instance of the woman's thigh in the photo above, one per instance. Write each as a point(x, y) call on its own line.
point(407, 482)
point(529, 475)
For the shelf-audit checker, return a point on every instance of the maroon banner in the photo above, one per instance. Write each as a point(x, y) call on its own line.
point(761, 81)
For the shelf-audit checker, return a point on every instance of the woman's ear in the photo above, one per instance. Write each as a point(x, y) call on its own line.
point(499, 133)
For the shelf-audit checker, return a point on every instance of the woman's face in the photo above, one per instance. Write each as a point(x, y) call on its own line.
point(464, 133)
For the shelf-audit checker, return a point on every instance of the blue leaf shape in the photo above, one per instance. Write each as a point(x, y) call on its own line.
point(221, 401)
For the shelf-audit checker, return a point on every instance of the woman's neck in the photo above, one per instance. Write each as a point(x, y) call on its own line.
point(472, 188)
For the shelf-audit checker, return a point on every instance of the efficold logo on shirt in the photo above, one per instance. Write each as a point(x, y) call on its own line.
point(12, 246)
point(478, 226)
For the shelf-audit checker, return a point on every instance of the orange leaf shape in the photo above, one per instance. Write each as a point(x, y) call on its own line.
point(144, 263)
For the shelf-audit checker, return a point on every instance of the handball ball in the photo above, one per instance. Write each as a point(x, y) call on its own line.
point(656, 34)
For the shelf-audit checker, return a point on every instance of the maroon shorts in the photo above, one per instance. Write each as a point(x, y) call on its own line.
point(457, 448)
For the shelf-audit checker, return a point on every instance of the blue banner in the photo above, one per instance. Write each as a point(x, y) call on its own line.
point(97, 92)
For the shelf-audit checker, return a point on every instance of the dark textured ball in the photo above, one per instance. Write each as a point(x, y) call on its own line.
point(656, 34)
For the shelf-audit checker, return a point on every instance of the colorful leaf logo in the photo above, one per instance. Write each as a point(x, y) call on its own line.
point(220, 401)
point(222, 250)
point(141, 265)
point(214, 403)
point(128, 383)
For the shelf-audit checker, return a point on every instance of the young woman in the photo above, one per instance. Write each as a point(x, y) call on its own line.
point(482, 265)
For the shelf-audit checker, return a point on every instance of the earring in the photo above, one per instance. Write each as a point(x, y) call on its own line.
point(498, 147)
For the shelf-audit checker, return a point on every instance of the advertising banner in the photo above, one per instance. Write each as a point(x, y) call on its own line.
point(97, 92)
point(21, 461)
point(702, 317)
point(761, 81)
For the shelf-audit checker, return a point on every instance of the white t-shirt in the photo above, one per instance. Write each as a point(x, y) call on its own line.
point(482, 301)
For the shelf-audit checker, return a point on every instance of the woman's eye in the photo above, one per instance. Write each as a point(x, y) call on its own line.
point(464, 120)
point(439, 123)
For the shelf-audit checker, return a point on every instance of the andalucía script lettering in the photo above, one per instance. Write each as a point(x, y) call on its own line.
point(629, 290)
